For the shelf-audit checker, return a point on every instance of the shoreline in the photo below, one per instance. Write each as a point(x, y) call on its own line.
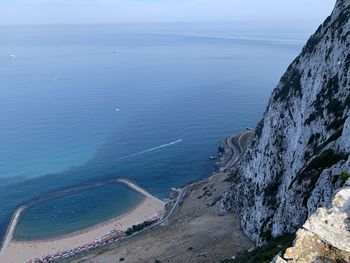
point(80, 231)
point(128, 183)
point(19, 251)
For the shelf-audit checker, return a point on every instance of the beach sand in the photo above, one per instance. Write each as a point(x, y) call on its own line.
point(19, 251)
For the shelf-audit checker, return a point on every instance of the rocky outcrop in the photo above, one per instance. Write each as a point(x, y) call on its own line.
point(325, 236)
point(299, 155)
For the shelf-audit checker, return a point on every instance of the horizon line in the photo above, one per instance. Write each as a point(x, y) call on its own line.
point(159, 22)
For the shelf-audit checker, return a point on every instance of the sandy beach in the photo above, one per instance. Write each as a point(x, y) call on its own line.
point(19, 251)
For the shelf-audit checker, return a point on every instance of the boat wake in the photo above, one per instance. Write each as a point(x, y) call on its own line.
point(152, 149)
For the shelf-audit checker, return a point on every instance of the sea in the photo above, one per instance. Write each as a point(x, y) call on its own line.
point(82, 105)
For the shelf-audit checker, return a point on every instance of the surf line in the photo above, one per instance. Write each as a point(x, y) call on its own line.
point(152, 149)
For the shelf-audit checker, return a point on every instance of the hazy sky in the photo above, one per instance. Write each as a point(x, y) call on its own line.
point(111, 11)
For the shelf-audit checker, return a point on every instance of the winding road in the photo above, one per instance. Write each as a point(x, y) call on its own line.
point(234, 142)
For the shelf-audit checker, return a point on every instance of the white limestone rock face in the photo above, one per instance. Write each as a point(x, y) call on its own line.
point(325, 236)
point(300, 152)
point(333, 225)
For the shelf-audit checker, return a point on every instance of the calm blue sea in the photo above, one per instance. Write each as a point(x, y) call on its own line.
point(87, 103)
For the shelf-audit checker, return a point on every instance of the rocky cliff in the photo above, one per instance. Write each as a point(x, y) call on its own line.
point(300, 153)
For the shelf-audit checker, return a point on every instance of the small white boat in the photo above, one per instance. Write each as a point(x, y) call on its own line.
point(117, 109)
point(13, 56)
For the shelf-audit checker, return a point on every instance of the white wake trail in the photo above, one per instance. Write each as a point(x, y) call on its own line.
point(152, 149)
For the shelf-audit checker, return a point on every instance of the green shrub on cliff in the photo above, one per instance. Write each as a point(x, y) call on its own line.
point(344, 176)
point(266, 253)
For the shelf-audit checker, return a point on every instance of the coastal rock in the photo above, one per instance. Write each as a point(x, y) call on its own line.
point(278, 259)
point(220, 209)
point(333, 225)
point(174, 193)
point(224, 155)
point(299, 155)
point(325, 236)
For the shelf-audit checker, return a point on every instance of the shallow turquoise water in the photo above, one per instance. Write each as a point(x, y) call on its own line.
point(77, 210)
point(192, 84)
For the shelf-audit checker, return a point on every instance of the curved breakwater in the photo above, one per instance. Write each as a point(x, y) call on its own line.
point(11, 229)
point(69, 191)
point(72, 209)
point(77, 189)
point(20, 251)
